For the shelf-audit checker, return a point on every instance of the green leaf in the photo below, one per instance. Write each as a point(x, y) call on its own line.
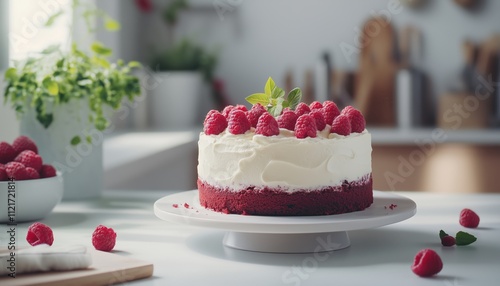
point(51, 86)
point(134, 64)
point(60, 63)
point(277, 92)
point(102, 62)
point(442, 234)
point(84, 82)
point(464, 238)
point(30, 61)
point(75, 140)
point(50, 49)
point(269, 87)
point(11, 74)
point(88, 138)
point(101, 123)
point(111, 24)
point(275, 110)
point(258, 98)
point(294, 97)
point(45, 119)
point(99, 49)
point(53, 18)
point(277, 107)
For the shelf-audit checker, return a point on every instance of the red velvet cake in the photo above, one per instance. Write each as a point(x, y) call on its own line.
point(285, 158)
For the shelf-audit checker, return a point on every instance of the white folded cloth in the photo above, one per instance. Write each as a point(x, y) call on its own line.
point(45, 258)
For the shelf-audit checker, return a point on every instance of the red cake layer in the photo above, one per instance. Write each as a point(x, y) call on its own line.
point(348, 197)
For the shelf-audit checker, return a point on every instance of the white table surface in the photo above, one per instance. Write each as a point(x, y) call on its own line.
point(186, 255)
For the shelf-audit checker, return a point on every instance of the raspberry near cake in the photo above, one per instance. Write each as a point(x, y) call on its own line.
point(285, 158)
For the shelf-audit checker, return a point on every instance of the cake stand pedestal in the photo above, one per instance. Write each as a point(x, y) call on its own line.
point(287, 242)
point(291, 234)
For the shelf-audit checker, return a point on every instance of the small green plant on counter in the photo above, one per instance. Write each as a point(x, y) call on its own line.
point(186, 56)
point(54, 78)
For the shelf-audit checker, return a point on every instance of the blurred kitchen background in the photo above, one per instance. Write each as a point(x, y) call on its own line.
point(425, 74)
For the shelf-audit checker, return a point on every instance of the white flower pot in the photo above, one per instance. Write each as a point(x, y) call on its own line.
point(81, 165)
point(175, 101)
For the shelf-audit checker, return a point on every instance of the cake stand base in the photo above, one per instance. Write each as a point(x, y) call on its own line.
point(287, 242)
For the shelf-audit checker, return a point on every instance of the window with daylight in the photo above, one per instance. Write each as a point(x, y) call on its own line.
point(37, 24)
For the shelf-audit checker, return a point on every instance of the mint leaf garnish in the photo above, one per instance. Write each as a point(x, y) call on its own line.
point(269, 87)
point(277, 92)
point(442, 234)
point(294, 97)
point(261, 98)
point(273, 98)
point(464, 238)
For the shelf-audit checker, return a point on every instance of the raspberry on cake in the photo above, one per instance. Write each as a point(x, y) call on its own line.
point(277, 161)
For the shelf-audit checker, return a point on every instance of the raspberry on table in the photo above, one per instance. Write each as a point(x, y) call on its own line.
point(448, 240)
point(30, 159)
point(305, 127)
point(254, 113)
point(7, 153)
point(267, 125)
point(48, 171)
point(22, 143)
point(302, 109)
point(215, 123)
point(317, 114)
point(16, 170)
point(103, 238)
point(32, 173)
point(39, 233)
point(315, 105)
point(330, 111)
point(341, 125)
point(468, 218)
point(237, 122)
point(427, 263)
point(287, 120)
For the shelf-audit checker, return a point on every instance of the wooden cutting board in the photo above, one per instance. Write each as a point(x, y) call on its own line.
point(106, 269)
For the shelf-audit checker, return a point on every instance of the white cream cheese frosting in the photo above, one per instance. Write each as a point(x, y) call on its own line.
point(283, 161)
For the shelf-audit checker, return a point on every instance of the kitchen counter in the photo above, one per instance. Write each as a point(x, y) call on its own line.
point(186, 255)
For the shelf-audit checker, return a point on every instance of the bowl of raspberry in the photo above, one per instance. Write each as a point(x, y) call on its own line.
point(29, 188)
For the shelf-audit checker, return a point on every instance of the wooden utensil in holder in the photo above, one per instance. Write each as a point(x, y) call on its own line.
point(374, 83)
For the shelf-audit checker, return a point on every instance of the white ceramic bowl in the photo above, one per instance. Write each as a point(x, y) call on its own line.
point(33, 200)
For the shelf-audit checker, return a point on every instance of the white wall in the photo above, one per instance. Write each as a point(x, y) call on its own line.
point(262, 38)
point(9, 127)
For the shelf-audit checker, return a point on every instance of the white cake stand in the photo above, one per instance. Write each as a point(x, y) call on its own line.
point(291, 234)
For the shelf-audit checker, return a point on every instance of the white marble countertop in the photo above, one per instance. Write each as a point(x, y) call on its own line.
point(186, 255)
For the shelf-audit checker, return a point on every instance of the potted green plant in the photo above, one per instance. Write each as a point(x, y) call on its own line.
point(181, 68)
point(63, 101)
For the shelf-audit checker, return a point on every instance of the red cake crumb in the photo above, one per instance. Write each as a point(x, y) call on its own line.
point(348, 197)
point(391, 206)
point(175, 205)
point(186, 205)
